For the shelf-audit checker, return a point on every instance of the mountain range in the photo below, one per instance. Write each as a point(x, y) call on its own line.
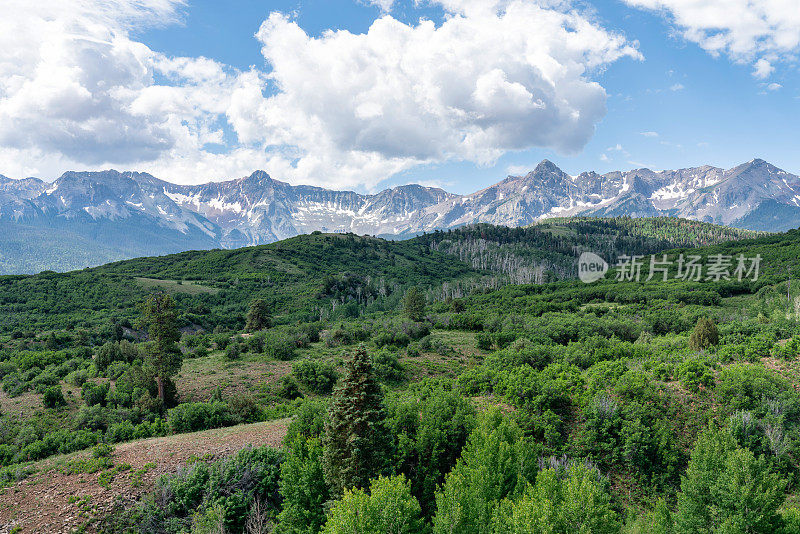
point(88, 218)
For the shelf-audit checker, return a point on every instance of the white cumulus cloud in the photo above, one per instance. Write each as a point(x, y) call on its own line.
point(77, 92)
point(484, 82)
point(343, 109)
point(759, 32)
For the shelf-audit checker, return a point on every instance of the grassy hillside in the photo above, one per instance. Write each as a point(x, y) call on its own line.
point(313, 276)
point(300, 278)
point(608, 396)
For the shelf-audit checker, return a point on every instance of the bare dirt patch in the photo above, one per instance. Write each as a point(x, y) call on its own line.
point(22, 405)
point(53, 502)
point(176, 286)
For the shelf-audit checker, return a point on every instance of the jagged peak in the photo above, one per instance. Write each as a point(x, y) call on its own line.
point(547, 166)
point(756, 164)
point(260, 176)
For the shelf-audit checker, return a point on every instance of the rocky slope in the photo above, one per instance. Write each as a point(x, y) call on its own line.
point(109, 215)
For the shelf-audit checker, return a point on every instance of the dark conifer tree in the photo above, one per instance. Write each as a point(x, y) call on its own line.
point(414, 304)
point(356, 439)
point(705, 335)
point(258, 316)
point(162, 354)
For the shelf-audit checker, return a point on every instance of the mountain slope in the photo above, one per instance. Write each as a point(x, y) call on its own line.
point(320, 275)
point(111, 215)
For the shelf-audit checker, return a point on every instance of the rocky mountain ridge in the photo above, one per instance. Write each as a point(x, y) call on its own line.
point(128, 213)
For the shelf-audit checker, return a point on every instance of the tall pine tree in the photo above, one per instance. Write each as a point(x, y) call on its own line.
point(356, 439)
point(258, 316)
point(414, 304)
point(160, 320)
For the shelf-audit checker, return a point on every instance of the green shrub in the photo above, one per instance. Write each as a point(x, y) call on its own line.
point(119, 432)
point(53, 397)
point(694, 374)
point(77, 377)
point(255, 343)
point(94, 394)
point(221, 341)
point(571, 497)
point(387, 366)
point(245, 408)
point(223, 489)
point(388, 507)
point(316, 375)
point(484, 340)
point(233, 352)
point(704, 336)
point(194, 416)
point(59, 442)
point(308, 422)
point(288, 388)
point(789, 350)
point(14, 385)
point(758, 346)
point(303, 488)
point(279, 346)
point(744, 387)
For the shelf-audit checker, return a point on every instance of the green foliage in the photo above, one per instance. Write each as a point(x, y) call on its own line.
point(120, 351)
point(316, 375)
point(302, 488)
point(657, 521)
point(570, 498)
point(705, 335)
point(484, 340)
point(194, 416)
point(356, 440)
point(695, 373)
point(388, 507)
point(743, 387)
point(53, 397)
point(430, 433)
point(280, 346)
point(258, 316)
point(100, 459)
point(94, 394)
point(159, 318)
point(790, 350)
point(233, 351)
point(308, 422)
point(496, 463)
point(727, 489)
point(288, 388)
point(387, 366)
point(414, 304)
point(224, 490)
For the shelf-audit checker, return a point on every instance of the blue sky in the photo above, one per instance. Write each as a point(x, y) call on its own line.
point(679, 104)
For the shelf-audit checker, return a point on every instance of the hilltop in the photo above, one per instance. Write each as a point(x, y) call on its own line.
point(312, 276)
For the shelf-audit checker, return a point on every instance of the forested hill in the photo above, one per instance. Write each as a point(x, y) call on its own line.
point(301, 278)
point(546, 251)
point(332, 275)
point(617, 402)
